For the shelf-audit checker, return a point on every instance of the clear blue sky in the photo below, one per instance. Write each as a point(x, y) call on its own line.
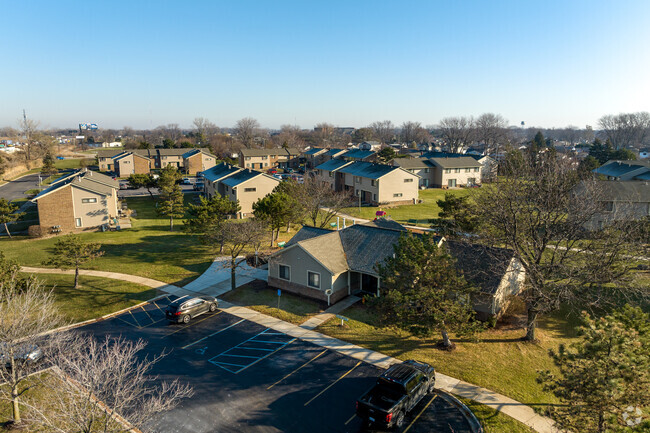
point(147, 63)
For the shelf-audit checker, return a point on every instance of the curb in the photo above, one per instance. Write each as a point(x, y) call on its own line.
point(471, 419)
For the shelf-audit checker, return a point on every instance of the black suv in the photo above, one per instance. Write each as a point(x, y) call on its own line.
point(184, 309)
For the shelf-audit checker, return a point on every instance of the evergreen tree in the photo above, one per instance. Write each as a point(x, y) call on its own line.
point(276, 210)
point(171, 203)
point(8, 214)
point(604, 378)
point(423, 292)
point(208, 218)
point(71, 252)
point(48, 165)
point(143, 181)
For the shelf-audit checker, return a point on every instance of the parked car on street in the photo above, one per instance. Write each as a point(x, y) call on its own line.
point(186, 181)
point(198, 186)
point(28, 353)
point(184, 309)
point(397, 391)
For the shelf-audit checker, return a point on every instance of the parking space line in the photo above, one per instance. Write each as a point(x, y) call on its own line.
point(147, 313)
point(213, 334)
point(333, 383)
point(128, 323)
point(269, 354)
point(136, 320)
point(255, 348)
point(226, 363)
point(192, 323)
point(154, 302)
point(304, 365)
point(153, 323)
point(421, 412)
point(350, 420)
point(271, 342)
point(242, 356)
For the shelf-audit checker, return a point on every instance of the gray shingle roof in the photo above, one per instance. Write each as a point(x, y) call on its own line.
point(243, 176)
point(328, 250)
point(634, 191)
point(85, 179)
point(456, 162)
point(306, 232)
point(482, 266)
point(220, 171)
point(357, 154)
point(412, 163)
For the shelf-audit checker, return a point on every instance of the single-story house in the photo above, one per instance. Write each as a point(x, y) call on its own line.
point(330, 265)
point(619, 200)
point(625, 170)
point(77, 201)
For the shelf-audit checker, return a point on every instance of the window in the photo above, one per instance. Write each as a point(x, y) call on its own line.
point(264, 157)
point(248, 158)
point(250, 189)
point(248, 165)
point(475, 169)
point(284, 272)
point(467, 170)
point(457, 170)
point(399, 194)
point(447, 170)
point(357, 179)
point(407, 180)
point(451, 183)
point(373, 182)
point(272, 156)
point(77, 222)
point(266, 164)
point(426, 170)
point(89, 200)
point(330, 174)
point(374, 197)
point(313, 279)
point(225, 188)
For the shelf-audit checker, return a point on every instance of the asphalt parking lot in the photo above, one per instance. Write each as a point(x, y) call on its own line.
point(248, 378)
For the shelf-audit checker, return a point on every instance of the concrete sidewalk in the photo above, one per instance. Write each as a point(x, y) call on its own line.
point(326, 315)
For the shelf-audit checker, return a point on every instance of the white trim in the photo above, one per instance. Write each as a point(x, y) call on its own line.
point(319, 280)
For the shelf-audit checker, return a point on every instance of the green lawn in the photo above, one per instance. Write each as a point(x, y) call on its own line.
point(500, 362)
point(409, 214)
point(494, 421)
point(149, 249)
point(259, 297)
point(95, 297)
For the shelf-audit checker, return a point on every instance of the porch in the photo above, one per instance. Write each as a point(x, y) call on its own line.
point(360, 283)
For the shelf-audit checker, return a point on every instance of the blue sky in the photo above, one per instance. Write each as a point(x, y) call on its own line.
point(148, 63)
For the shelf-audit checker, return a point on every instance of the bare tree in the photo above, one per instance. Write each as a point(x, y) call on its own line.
point(238, 237)
point(544, 212)
point(28, 128)
point(413, 132)
point(626, 129)
point(320, 201)
point(27, 311)
point(491, 129)
point(290, 136)
point(384, 131)
point(246, 130)
point(457, 132)
point(105, 386)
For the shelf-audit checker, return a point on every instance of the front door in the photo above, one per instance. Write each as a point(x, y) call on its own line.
point(451, 183)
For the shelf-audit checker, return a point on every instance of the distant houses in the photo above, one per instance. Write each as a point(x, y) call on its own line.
point(127, 162)
point(264, 159)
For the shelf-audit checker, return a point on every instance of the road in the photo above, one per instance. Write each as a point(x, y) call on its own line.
point(15, 189)
point(249, 378)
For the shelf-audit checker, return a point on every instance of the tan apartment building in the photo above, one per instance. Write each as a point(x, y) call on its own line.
point(455, 172)
point(418, 166)
point(374, 183)
point(236, 183)
point(197, 160)
point(79, 201)
point(159, 158)
point(264, 159)
point(128, 163)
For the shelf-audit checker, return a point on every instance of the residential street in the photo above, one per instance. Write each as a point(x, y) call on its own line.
point(15, 189)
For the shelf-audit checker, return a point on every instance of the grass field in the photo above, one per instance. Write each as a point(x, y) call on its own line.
point(95, 296)
point(257, 296)
point(149, 249)
point(494, 421)
point(418, 214)
point(500, 361)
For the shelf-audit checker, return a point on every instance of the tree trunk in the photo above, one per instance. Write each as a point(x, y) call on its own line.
point(288, 227)
point(14, 396)
point(171, 224)
point(531, 324)
point(7, 230)
point(76, 277)
point(601, 422)
point(233, 268)
point(272, 236)
point(446, 341)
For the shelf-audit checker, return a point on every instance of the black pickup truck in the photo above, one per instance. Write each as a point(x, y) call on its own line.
point(398, 390)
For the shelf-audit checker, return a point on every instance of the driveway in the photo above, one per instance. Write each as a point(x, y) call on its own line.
point(251, 378)
point(15, 189)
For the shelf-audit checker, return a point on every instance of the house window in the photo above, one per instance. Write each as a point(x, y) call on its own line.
point(272, 156)
point(407, 180)
point(374, 197)
point(357, 179)
point(447, 170)
point(467, 170)
point(266, 164)
point(475, 169)
point(89, 200)
point(225, 188)
point(399, 194)
point(77, 222)
point(248, 165)
point(451, 183)
point(330, 174)
point(250, 189)
point(313, 279)
point(264, 157)
point(373, 182)
point(457, 170)
point(284, 272)
point(248, 158)
point(426, 170)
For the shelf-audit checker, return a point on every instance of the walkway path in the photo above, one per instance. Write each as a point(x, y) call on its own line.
point(216, 280)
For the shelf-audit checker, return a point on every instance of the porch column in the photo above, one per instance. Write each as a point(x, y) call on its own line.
point(349, 288)
point(377, 286)
point(360, 282)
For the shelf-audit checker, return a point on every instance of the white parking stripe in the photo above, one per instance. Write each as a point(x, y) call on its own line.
point(213, 334)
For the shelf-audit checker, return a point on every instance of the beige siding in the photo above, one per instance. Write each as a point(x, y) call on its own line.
point(323, 176)
point(394, 184)
point(263, 185)
point(441, 177)
point(93, 214)
point(300, 263)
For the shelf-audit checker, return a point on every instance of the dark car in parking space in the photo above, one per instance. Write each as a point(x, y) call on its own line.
point(397, 391)
point(182, 310)
point(26, 354)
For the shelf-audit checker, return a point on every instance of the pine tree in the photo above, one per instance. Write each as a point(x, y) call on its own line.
point(604, 377)
point(8, 214)
point(71, 252)
point(208, 218)
point(423, 291)
point(48, 165)
point(276, 210)
point(171, 203)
